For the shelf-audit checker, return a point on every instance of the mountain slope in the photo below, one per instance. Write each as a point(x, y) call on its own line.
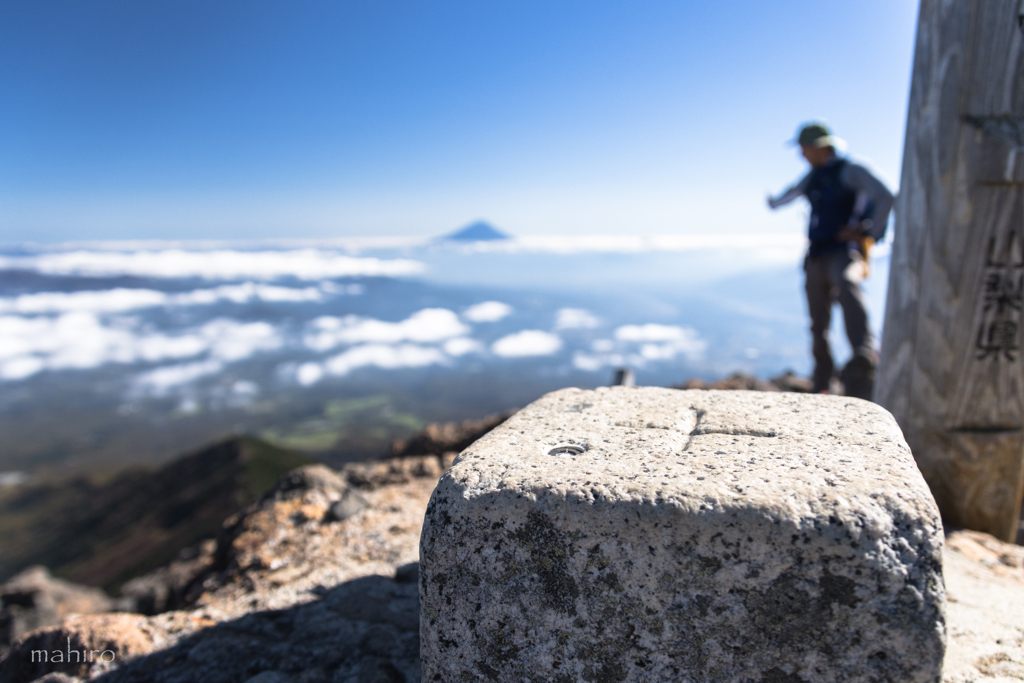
point(105, 534)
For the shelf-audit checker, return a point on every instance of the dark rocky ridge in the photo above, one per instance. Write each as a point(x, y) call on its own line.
point(104, 534)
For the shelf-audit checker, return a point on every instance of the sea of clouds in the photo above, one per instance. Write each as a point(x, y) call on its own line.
point(87, 328)
point(439, 336)
point(85, 339)
point(220, 264)
point(171, 315)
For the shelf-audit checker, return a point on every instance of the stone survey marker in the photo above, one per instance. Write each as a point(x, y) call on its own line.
point(644, 534)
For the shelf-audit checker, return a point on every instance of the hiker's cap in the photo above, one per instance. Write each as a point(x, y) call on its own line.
point(818, 135)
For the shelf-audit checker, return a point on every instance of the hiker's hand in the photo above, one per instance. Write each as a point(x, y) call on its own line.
point(851, 233)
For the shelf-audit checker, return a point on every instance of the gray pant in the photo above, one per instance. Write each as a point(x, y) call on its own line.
point(836, 276)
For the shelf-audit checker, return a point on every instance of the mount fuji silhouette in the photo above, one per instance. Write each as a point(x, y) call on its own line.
point(480, 231)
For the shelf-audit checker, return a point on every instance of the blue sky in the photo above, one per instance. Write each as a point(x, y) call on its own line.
point(268, 119)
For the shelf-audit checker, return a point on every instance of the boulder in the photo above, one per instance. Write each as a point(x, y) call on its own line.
point(33, 598)
point(351, 503)
point(644, 534)
point(375, 474)
point(83, 646)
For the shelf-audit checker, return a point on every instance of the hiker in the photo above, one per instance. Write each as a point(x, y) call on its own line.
point(849, 211)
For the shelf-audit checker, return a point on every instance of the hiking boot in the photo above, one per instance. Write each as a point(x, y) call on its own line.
point(821, 380)
point(858, 377)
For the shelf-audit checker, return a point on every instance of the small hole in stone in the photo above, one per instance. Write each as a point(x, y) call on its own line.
point(567, 449)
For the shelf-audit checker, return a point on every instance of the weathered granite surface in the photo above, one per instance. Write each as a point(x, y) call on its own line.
point(695, 536)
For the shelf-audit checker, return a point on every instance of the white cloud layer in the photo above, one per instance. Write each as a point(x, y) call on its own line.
point(527, 343)
point(231, 341)
point(383, 356)
point(637, 345)
point(161, 380)
point(105, 301)
point(81, 340)
point(119, 300)
point(387, 357)
point(487, 312)
point(427, 325)
point(575, 318)
point(651, 332)
point(223, 264)
point(248, 291)
point(663, 342)
point(460, 346)
point(308, 374)
point(592, 362)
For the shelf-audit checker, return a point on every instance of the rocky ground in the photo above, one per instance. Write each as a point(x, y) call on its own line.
point(317, 582)
point(984, 624)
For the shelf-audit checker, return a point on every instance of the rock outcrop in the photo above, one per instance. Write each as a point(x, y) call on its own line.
point(291, 593)
point(164, 589)
point(787, 381)
point(33, 599)
point(439, 438)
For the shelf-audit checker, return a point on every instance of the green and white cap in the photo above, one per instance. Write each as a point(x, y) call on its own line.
point(817, 134)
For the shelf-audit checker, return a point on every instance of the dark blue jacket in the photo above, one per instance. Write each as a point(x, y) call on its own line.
point(838, 192)
point(831, 207)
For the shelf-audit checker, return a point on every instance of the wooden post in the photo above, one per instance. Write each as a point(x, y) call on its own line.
point(951, 366)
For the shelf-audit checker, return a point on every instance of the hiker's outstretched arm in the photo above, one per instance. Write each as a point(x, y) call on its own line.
point(798, 190)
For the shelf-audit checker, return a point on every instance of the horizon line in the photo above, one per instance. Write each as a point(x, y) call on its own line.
point(569, 242)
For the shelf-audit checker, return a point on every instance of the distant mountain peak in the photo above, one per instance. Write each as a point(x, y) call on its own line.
point(480, 231)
